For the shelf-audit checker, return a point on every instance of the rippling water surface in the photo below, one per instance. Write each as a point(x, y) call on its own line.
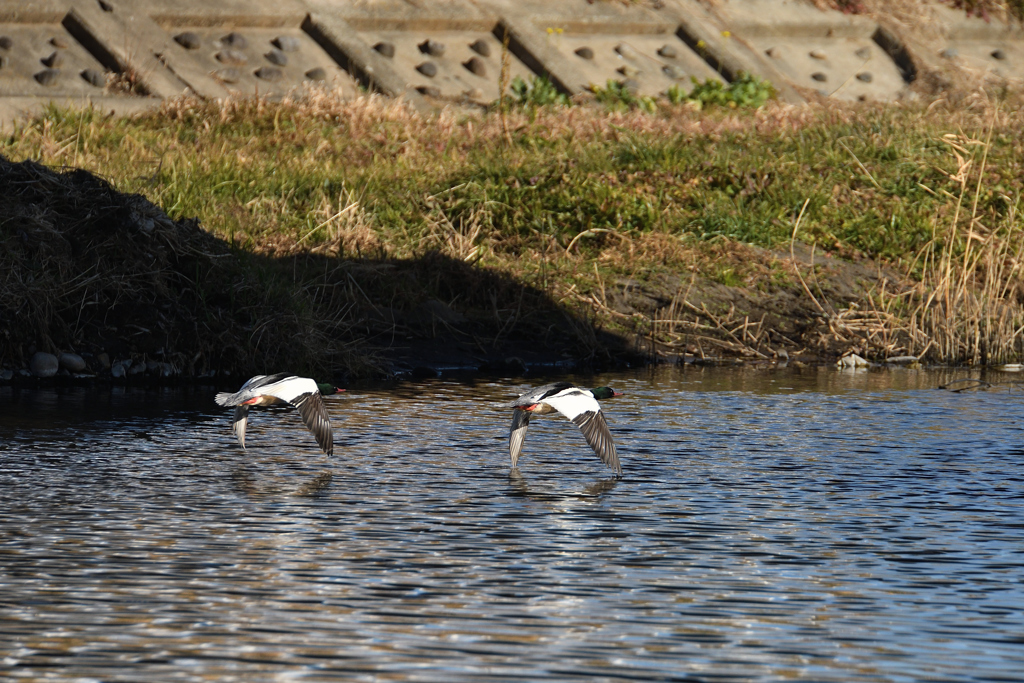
point(799, 524)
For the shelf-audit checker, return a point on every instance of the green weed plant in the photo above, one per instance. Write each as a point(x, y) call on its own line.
point(747, 91)
point(617, 96)
point(539, 91)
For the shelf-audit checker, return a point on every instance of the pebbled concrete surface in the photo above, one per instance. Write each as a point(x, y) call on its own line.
point(826, 53)
point(123, 55)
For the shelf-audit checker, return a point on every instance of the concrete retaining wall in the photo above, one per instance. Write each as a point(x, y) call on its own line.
point(125, 55)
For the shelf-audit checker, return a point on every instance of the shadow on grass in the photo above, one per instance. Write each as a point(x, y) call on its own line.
point(109, 276)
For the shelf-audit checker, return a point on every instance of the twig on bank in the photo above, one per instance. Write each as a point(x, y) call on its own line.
point(592, 231)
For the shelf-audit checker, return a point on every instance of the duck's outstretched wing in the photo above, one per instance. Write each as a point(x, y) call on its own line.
point(516, 436)
point(595, 431)
point(314, 414)
point(238, 426)
point(585, 412)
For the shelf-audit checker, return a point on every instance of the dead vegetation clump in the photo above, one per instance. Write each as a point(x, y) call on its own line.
point(969, 305)
point(961, 301)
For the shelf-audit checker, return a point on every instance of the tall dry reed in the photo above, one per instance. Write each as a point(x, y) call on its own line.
point(970, 299)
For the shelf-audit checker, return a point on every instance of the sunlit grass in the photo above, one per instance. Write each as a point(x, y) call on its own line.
point(565, 189)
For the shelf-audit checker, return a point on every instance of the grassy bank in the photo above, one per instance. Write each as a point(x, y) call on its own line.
point(643, 224)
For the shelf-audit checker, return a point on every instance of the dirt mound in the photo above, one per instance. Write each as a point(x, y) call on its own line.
point(91, 270)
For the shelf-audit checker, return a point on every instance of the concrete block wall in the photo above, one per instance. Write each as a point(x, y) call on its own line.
point(125, 55)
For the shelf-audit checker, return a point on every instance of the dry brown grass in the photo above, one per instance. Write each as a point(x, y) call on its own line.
point(970, 303)
point(920, 16)
point(967, 307)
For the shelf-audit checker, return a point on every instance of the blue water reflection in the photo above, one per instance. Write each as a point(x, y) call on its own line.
point(788, 524)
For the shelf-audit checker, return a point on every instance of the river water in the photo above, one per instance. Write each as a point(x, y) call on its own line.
point(770, 525)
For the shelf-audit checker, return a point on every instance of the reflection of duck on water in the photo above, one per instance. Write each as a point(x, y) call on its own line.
point(580, 406)
point(255, 484)
point(316, 486)
point(301, 392)
point(522, 487)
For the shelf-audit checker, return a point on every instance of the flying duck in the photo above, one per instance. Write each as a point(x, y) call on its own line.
point(579, 405)
point(301, 392)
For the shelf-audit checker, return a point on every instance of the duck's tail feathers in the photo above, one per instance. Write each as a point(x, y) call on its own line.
point(226, 399)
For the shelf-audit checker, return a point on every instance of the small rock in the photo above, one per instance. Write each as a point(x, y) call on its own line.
point(475, 94)
point(585, 52)
point(71, 362)
point(902, 360)
point(782, 354)
point(673, 72)
point(58, 42)
point(386, 49)
point(152, 367)
point(234, 40)
point(53, 61)
point(668, 52)
point(865, 76)
point(998, 54)
point(137, 369)
point(852, 361)
point(629, 71)
point(632, 85)
point(817, 54)
point(432, 47)
point(6, 375)
point(6, 43)
point(773, 52)
point(269, 73)
point(429, 90)
point(481, 47)
point(4, 61)
point(475, 65)
point(286, 43)
point(102, 361)
point(316, 74)
point(43, 364)
point(228, 75)
point(106, 6)
point(428, 69)
point(949, 53)
point(117, 370)
point(47, 76)
point(24, 373)
point(189, 40)
point(166, 370)
point(626, 51)
point(232, 57)
point(863, 53)
point(277, 57)
point(95, 77)
point(818, 76)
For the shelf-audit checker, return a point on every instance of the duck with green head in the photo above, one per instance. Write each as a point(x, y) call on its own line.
point(301, 392)
point(579, 405)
